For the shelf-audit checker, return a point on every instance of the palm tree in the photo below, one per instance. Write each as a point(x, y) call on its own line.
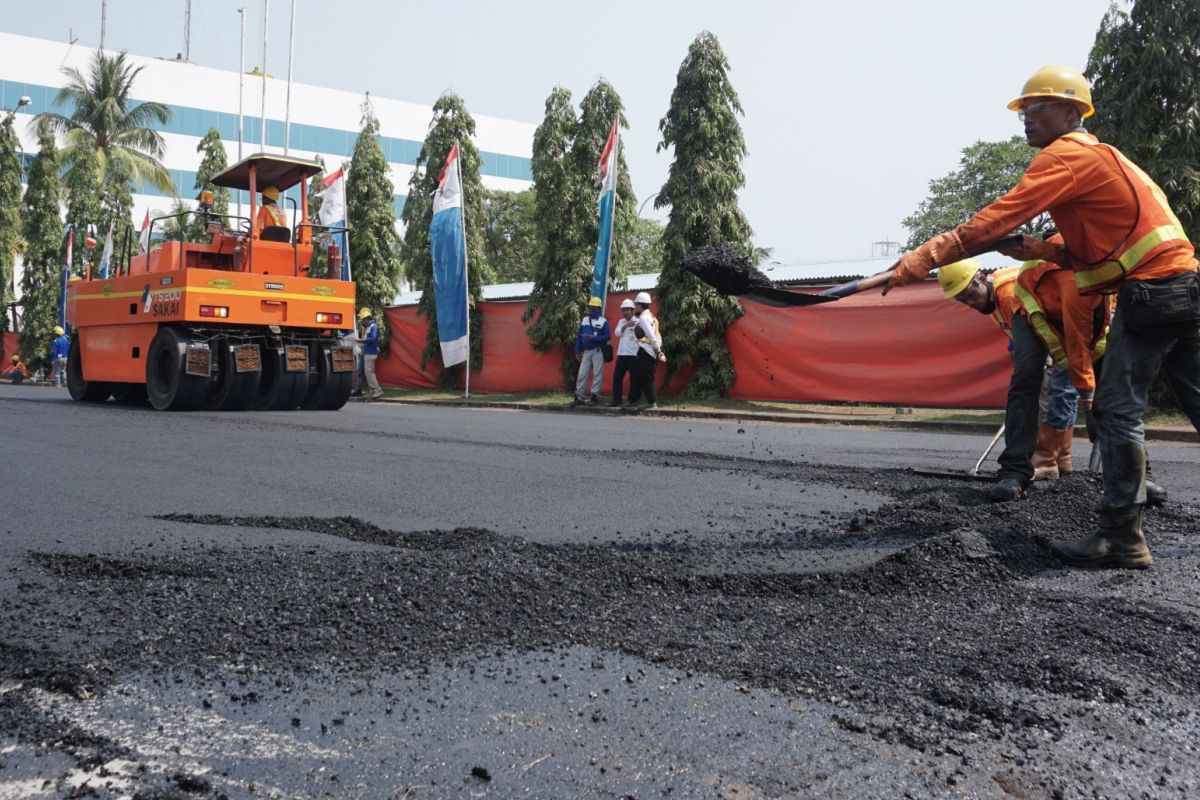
point(105, 120)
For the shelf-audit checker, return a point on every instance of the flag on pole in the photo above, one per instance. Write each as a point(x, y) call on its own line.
point(447, 242)
point(608, 202)
point(333, 212)
point(106, 255)
point(144, 235)
point(66, 276)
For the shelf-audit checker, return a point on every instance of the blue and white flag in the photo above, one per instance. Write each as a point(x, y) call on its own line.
point(608, 203)
point(448, 245)
point(66, 277)
point(106, 255)
point(333, 212)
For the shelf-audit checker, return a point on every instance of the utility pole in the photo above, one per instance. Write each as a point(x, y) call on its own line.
point(103, 21)
point(262, 131)
point(287, 111)
point(187, 30)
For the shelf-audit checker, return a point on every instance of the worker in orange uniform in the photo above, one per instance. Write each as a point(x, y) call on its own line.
point(17, 371)
point(1119, 236)
point(1055, 320)
point(270, 215)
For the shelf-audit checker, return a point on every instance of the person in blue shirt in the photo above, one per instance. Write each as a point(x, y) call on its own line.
point(58, 355)
point(593, 332)
point(370, 351)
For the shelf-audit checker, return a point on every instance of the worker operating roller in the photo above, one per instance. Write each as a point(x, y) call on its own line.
point(1120, 236)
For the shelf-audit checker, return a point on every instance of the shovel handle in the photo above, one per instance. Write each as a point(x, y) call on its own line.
point(880, 278)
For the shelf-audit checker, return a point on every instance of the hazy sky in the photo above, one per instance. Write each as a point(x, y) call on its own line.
point(851, 106)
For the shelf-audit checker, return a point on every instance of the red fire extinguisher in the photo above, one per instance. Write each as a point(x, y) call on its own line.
point(335, 262)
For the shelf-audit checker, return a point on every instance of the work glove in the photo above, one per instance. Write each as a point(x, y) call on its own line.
point(945, 248)
point(1030, 248)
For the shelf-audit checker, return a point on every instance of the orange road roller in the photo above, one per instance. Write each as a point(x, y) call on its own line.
point(234, 323)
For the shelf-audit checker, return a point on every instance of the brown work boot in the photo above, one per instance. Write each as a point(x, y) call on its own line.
point(1064, 451)
point(1117, 543)
point(1045, 457)
point(1005, 490)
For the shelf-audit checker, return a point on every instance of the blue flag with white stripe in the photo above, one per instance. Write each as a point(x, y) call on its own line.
point(608, 204)
point(448, 246)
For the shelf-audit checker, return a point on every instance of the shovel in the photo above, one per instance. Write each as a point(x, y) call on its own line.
point(726, 269)
point(973, 473)
point(880, 278)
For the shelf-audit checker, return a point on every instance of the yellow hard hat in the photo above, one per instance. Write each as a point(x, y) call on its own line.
point(363, 313)
point(15, 358)
point(58, 331)
point(955, 277)
point(595, 303)
point(271, 193)
point(1063, 83)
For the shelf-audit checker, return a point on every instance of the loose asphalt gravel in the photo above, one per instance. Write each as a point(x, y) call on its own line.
point(403, 602)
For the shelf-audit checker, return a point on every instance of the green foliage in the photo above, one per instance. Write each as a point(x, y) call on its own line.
point(10, 213)
point(599, 107)
point(986, 171)
point(213, 163)
point(564, 263)
point(510, 234)
point(116, 208)
point(644, 242)
point(42, 228)
point(701, 190)
point(82, 184)
point(1145, 73)
point(104, 120)
point(374, 243)
point(451, 122)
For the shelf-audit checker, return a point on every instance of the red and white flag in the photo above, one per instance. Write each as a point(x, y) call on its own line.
point(144, 236)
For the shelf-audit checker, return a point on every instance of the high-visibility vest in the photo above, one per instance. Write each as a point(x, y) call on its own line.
point(1155, 230)
point(1003, 282)
point(1025, 289)
point(272, 216)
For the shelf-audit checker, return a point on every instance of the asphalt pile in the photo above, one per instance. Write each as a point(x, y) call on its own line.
point(726, 269)
point(956, 636)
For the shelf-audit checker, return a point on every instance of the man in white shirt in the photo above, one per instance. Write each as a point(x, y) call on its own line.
point(648, 355)
point(627, 350)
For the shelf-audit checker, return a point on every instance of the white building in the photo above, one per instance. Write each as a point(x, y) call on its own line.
point(323, 122)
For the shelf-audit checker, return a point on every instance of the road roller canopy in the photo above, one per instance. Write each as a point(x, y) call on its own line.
point(282, 172)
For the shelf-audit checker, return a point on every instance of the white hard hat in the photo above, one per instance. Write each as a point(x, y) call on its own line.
point(643, 298)
point(626, 303)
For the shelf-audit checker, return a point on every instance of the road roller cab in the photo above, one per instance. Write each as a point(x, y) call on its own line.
point(232, 323)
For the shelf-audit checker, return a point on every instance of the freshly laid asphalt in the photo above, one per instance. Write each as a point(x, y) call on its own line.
point(404, 601)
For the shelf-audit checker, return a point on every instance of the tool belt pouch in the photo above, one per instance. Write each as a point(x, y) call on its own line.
point(1168, 306)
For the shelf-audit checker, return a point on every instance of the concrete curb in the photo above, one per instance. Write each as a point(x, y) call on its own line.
point(1186, 435)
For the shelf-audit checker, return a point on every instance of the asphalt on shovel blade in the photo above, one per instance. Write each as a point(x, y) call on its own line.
point(726, 269)
point(987, 477)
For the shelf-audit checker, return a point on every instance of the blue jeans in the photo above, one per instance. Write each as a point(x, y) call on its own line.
point(1062, 400)
point(1131, 363)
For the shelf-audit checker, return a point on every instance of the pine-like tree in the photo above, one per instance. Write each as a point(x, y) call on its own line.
point(701, 190)
point(370, 207)
point(82, 185)
point(42, 228)
point(563, 266)
point(116, 209)
point(1145, 73)
point(10, 213)
point(596, 112)
point(213, 163)
point(451, 122)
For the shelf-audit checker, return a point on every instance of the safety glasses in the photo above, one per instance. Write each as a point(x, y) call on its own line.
point(1035, 108)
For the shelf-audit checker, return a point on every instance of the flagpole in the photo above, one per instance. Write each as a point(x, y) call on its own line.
point(466, 271)
point(241, 88)
point(612, 232)
point(262, 131)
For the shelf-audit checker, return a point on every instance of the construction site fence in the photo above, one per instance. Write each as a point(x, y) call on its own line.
point(911, 348)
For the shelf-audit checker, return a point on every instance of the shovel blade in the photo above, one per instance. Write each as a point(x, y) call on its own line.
point(781, 298)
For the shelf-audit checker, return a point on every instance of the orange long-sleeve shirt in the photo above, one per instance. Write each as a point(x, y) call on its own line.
point(1077, 323)
point(1086, 188)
